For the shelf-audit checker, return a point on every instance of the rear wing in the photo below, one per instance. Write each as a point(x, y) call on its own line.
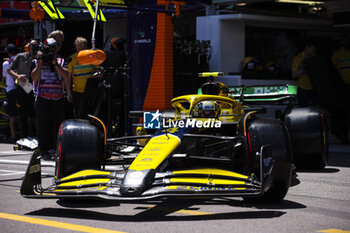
point(267, 94)
point(264, 94)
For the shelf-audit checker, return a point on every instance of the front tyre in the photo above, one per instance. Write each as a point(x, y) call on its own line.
point(271, 132)
point(80, 147)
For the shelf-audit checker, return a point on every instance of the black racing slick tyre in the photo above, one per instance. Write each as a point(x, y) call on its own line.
point(80, 147)
point(309, 134)
point(270, 132)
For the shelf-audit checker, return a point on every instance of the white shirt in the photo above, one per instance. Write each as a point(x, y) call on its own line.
point(10, 82)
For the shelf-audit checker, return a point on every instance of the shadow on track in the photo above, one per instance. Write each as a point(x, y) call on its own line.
point(161, 210)
point(325, 170)
point(154, 214)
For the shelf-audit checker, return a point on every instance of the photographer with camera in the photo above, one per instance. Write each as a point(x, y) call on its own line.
point(20, 70)
point(50, 77)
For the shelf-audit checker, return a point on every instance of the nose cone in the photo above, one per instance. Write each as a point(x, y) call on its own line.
point(136, 182)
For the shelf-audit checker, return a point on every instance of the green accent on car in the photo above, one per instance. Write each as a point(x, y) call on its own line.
point(269, 93)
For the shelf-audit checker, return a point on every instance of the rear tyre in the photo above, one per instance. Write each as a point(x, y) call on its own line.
point(309, 134)
point(80, 147)
point(271, 132)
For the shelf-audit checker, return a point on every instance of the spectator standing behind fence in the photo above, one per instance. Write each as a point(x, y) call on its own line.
point(49, 76)
point(79, 74)
point(10, 91)
point(20, 69)
point(306, 95)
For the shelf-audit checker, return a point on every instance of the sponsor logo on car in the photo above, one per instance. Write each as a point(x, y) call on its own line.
point(200, 188)
point(146, 160)
point(155, 149)
point(34, 169)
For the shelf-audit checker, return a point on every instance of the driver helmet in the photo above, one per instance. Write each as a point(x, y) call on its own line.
point(206, 109)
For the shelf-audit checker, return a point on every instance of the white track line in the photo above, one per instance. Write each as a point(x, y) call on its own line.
point(14, 152)
point(13, 173)
point(25, 162)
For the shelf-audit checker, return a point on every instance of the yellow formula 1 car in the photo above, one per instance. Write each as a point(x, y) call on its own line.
point(210, 145)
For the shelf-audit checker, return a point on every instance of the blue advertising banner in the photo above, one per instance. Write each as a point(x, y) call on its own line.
point(142, 27)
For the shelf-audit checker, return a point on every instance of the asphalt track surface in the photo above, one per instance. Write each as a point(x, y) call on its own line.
point(317, 201)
